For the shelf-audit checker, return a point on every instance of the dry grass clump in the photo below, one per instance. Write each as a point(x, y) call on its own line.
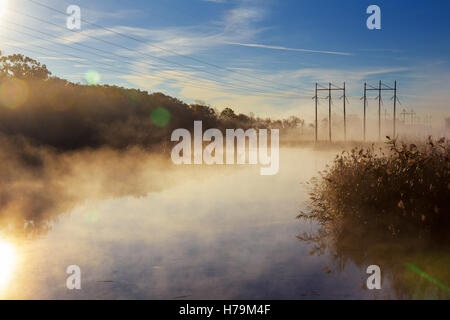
point(402, 191)
point(389, 208)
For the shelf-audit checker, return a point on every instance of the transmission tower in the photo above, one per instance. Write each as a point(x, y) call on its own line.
point(316, 98)
point(379, 89)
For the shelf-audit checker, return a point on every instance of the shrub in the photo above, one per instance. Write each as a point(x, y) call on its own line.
point(390, 209)
point(403, 190)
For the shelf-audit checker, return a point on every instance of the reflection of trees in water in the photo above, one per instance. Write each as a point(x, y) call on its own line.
point(37, 185)
point(364, 221)
point(366, 244)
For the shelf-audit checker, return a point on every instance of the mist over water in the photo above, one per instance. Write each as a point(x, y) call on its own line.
point(166, 232)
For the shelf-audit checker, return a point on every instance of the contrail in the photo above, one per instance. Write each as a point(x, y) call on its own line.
point(255, 45)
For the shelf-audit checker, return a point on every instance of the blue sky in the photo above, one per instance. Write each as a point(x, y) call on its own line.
point(260, 56)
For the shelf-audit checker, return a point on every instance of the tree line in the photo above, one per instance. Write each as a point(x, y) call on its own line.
point(47, 110)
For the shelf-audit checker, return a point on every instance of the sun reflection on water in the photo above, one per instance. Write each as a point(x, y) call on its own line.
point(7, 262)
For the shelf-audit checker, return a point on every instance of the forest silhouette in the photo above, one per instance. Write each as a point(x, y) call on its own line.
point(54, 112)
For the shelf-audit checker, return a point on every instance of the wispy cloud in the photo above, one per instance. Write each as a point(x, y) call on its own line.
point(243, 16)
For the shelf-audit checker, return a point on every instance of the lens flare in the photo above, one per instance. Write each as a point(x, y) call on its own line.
point(428, 277)
point(160, 117)
point(92, 77)
point(92, 216)
point(13, 93)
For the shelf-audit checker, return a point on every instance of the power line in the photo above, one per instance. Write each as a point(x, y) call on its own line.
point(114, 69)
point(274, 94)
point(125, 62)
point(128, 49)
point(166, 50)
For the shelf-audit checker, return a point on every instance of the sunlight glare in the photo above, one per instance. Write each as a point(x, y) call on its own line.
point(2, 7)
point(7, 261)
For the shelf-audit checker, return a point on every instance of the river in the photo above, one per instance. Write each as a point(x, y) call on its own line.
point(210, 232)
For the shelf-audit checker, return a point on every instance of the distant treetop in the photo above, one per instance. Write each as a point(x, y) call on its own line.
point(22, 67)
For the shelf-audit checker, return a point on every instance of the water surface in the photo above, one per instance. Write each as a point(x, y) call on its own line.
point(221, 232)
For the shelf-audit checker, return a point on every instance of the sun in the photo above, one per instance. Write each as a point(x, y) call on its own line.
point(2, 7)
point(7, 262)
